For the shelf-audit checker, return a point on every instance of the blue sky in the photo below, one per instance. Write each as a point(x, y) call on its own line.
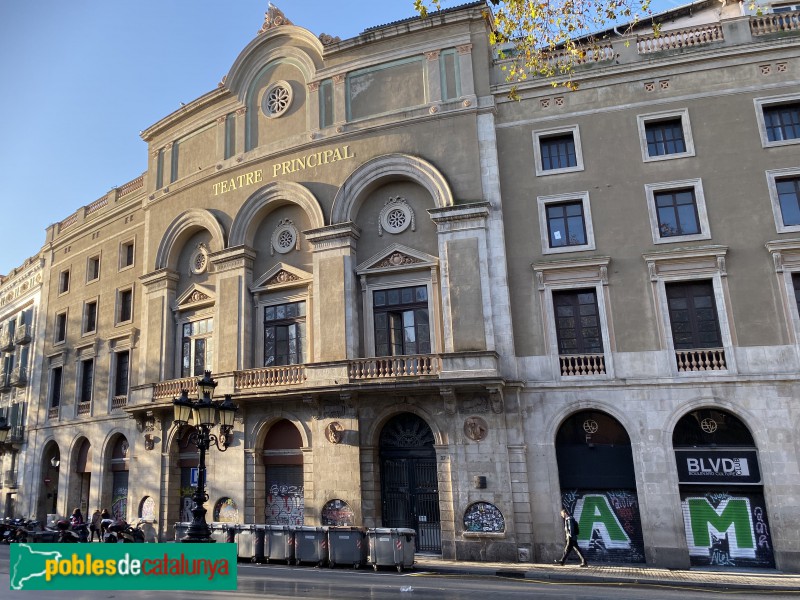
point(82, 78)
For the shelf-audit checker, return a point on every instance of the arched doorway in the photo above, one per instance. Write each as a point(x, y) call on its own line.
point(117, 468)
point(409, 481)
point(47, 504)
point(598, 486)
point(722, 496)
point(80, 480)
point(283, 464)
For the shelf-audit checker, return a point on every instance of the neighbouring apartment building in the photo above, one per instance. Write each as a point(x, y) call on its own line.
point(440, 308)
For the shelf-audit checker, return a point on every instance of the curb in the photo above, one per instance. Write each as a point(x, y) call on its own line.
point(585, 577)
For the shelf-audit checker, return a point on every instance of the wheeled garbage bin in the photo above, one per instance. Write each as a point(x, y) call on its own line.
point(281, 543)
point(180, 530)
point(347, 546)
point(310, 545)
point(391, 547)
point(260, 551)
point(219, 532)
point(245, 541)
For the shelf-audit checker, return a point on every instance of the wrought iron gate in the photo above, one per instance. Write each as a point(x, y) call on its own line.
point(409, 480)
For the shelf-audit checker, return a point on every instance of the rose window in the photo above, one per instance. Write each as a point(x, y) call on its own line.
point(277, 99)
point(284, 238)
point(396, 216)
point(198, 263)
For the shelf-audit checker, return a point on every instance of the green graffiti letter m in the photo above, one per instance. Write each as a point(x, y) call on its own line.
point(731, 517)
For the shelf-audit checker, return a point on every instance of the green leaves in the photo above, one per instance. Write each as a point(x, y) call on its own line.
point(549, 38)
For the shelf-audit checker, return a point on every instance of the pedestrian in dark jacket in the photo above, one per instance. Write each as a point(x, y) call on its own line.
point(571, 535)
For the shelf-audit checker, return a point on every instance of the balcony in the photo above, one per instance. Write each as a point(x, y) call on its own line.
point(84, 408)
point(10, 480)
point(52, 412)
point(702, 359)
point(269, 377)
point(582, 364)
point(5, 382)
point(16, 434)
point(775, 23)
point(119, 402)
point(392, 367)
point(23, 334)
point(6, 341)
point(173, 387)
point(19, 378)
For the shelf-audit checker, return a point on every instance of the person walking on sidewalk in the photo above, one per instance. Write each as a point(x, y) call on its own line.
point(571, 533)
point(94, 526)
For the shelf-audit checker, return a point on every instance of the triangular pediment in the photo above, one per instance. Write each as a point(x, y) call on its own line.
point(281, 276)
point(196, 296)
point(397, 258)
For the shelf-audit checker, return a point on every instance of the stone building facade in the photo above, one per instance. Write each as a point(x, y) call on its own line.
point(440, 308)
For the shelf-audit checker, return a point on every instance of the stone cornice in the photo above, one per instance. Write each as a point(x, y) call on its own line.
point(158, 280)
point(233, 258)
point(340, 235)
point(24, 281)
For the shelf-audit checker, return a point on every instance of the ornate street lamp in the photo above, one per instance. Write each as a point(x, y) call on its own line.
point(204, 417)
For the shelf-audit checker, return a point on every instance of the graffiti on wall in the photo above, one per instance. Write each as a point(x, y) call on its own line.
point(610, 524)
point(226, 511)
point(119, 495)
point(727, 529)
point(285, 505)
point(485, 517)
point(337, 513)
point(147, 509)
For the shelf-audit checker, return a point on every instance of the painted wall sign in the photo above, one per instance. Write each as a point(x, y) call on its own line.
point(301, 163)
point(739, 467)
point(727, 529)
point(483, 516)
point(610, 524)
point(337, 513)
point(226, 511)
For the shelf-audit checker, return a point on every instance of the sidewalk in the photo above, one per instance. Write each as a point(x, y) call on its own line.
point(571, 573)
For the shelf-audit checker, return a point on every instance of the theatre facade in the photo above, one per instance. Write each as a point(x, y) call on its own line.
point(440, 308)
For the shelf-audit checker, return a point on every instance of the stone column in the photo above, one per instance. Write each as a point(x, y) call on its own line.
point(434, 77)
point(334, 319)
point(233, 311)
point(339, 99)
point(313, 104)
point(466, 290)
point(158, 326)
point(241, 127)
point(465, 70)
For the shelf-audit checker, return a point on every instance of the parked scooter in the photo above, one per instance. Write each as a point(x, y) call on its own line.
point(69, 533)
point(120, 532)
point(19, 530)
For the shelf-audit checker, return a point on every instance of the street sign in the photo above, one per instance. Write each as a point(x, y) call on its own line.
point(194, 476)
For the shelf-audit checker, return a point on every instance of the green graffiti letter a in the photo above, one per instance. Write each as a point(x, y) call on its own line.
point(592, 511)
point(734, 512)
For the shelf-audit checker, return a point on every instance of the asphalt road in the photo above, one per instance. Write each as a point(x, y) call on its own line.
point(277, 581)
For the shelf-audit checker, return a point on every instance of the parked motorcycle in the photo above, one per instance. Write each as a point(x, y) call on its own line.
point(19, 530)
point(120, 532)
point(69, 533)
